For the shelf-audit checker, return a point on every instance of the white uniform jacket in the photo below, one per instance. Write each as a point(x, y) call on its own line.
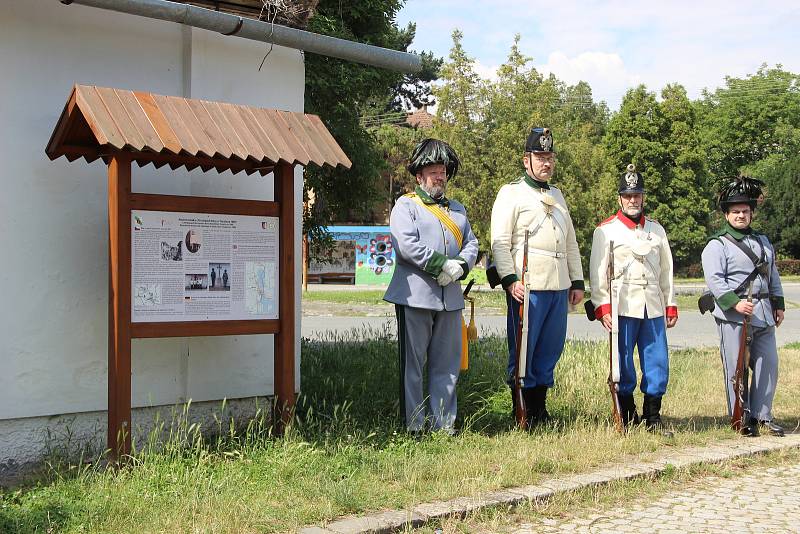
point(646, 280)
point(554, 261)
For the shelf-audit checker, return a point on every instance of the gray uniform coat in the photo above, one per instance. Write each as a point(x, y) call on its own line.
point(725, 267)
point(428, 315)
point(421, 245)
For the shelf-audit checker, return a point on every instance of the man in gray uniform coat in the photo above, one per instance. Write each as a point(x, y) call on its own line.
point(435, 248)
point(735, 257)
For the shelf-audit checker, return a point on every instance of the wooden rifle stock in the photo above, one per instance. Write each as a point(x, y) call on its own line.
point(520, 410)
point(613, 387)
point(740, 377)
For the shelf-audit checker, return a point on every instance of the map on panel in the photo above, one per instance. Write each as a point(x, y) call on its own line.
point(260, 287)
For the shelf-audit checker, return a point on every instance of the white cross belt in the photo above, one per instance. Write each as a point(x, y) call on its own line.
point(544, 252)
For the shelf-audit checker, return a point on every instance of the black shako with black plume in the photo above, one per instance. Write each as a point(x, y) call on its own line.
point(739, 190)
point(434, 152)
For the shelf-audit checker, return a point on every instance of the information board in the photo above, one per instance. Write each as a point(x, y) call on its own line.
point(203, 267)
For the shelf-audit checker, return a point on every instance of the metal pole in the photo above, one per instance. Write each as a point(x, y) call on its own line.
point(266, 32)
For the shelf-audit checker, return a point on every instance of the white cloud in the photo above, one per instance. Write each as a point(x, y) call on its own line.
point(617, 44)
point(605, 72)
point(487, 72)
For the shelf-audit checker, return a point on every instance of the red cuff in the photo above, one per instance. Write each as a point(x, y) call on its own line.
point(672, 311)
point(601, 310)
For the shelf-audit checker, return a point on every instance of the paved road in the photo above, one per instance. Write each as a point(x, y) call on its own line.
point(763, 501)
point(692, 330)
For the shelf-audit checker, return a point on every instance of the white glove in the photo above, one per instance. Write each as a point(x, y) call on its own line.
point(453, 268)
point(444, 279)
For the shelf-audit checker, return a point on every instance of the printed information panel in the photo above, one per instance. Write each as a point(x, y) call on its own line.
point(203, 267)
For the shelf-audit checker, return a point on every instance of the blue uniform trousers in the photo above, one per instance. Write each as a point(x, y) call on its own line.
point(547, 330)
point(650, 335)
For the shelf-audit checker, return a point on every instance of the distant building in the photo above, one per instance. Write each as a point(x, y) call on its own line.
point(420, 119)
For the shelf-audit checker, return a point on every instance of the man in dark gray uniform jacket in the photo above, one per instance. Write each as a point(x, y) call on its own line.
point(734, 258)
point(435, 248)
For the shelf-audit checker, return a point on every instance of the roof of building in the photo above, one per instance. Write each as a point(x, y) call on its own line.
point(292, 13)
point(420, 118)
point(191, 133)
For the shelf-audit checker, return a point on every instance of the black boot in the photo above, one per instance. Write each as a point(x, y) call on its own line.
point(536, 404)
point(651, 413)
point(749, 427)
point(627, 406)
point(773, 428)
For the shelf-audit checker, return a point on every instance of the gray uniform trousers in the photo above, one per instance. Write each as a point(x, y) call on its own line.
point(433, 338)
point(763, 366)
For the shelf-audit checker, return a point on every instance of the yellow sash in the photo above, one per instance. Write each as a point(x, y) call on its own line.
point(440, 214)
point(448, 223)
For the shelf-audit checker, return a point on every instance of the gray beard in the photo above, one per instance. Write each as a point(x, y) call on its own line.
point(434, 191)
point(633, 214)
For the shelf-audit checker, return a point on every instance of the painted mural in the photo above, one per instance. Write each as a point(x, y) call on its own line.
point(364, 252)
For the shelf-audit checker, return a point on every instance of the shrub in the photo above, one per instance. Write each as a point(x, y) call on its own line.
point(787, 267)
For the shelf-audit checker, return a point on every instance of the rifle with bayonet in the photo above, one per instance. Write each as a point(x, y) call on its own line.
point(613, 342)
point(520, 411)
point(741, 388)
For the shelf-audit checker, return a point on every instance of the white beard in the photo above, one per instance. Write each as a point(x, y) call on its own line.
point(633, 214)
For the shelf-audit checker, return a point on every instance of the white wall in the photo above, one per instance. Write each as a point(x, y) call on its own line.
point(53, 216)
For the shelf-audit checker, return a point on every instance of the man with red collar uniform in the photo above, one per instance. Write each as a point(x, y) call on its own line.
point(643, 270)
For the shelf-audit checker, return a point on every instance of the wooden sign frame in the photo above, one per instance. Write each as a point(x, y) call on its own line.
point(121, 329)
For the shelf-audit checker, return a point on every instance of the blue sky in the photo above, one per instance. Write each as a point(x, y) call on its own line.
point(616, 45)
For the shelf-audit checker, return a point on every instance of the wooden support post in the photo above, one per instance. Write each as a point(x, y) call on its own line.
point(119, 305)
point(284, 339)
point(305, 263)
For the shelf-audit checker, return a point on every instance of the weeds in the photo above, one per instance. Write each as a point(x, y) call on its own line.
point(347, 452)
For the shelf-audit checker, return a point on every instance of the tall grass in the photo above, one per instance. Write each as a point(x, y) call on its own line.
point(347, 453)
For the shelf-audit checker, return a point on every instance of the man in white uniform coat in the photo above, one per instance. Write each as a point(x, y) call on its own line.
point(645, 303)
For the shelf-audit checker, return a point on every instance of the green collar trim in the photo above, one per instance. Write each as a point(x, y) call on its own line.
point(427, 199)
point(738, 235)
point(536, 184)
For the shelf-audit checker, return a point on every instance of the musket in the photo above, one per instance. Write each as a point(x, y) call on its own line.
point(520, 411)
point(740, 377)
point(613, 343)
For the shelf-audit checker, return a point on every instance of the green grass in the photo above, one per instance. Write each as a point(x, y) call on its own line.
point(486, 302)
point(369, 297)
point(347, 454)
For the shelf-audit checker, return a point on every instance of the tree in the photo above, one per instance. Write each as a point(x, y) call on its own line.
point(779, 216)
point(487, 123)
point(396, 144)
point(752, 126)
point(662, 141)
point(750, 119)
point(460, 123)
point(340, 91)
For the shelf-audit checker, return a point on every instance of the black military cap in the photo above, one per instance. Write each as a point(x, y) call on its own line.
point(740, 190)
point(434, 152)
point(631, 181)
point(540, 140)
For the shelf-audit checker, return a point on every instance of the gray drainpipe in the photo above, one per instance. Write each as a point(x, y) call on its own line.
point(267, 32)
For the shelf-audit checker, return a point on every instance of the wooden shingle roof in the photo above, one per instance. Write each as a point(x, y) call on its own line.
point(183, 132)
